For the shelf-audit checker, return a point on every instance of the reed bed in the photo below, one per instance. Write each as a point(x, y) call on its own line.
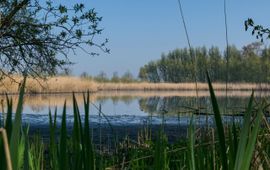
point(62, 84)
point(180, 86)
point(59, 84)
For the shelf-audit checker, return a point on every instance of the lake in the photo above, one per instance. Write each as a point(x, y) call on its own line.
point(127, 112)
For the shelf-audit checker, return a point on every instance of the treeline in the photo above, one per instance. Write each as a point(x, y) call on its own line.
point(127, 77)
point(249, 64)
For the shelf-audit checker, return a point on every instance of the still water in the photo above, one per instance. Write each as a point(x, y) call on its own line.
point(130, 110)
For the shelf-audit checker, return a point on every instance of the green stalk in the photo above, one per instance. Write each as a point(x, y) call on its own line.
point(89, 153)
point(16, 129)
point(53, 146)
point(76, 136)
point(240, 156)
point(191, 144)
point(8, 122)
point(251, 142)
point(63, 141)
point(219, 125)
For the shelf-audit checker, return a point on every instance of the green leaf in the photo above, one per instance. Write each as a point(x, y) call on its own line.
point(63, 141)
point(252, 141)
point(89, 150)
point(240, 156)
point(219, 125)
point(191, 144)
point(8, 125)
point(16, 129)
point(62, 9)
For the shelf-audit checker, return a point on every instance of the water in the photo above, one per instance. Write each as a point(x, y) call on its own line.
point(127, 112)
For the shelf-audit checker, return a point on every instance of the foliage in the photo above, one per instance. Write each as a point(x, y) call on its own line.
point(250, 64)
point(101, 77)
point(127, 77)
point(115, 78)
point(33, 33)
point(258, 30)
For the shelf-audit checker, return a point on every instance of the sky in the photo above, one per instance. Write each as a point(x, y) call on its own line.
point(139, 31)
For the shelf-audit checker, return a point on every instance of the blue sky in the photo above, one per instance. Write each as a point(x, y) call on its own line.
point(140, 30)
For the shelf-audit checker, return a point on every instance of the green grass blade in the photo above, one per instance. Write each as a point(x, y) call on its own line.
point(191, 144)
point(21, 152)
point(16, 129)
point(235, 137)
point(78, 139)
point(160, 152)
point(26, 150)
point(251, 142)
point(232, 153)
point(219, 125)
point(63, 141)
point(8, 124)
point(52, 144)
point(240, 155)
point(36, 154)
point(89, 150)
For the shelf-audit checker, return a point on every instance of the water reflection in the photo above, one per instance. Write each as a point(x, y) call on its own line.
point(136, 106)
point(184, 105)
point(129, 111)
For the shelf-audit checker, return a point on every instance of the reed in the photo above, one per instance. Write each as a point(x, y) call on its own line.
point(62, 84)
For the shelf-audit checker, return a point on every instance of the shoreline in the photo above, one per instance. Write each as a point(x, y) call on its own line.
point(62, 85)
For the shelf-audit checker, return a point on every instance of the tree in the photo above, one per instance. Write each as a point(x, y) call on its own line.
point(143, 73)
point(101, 77)
point(115, 78)
point(215, 64)
point(127, 77)
point(36, 37)
point(152, 72)
point(247, 65)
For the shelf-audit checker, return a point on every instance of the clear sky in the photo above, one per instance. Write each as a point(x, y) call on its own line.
point(140, 30)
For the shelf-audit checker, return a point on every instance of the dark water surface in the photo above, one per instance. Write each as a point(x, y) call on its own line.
point(129, 112)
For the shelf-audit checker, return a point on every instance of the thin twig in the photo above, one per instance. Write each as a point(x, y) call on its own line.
point(193, 56)
point(227, 52)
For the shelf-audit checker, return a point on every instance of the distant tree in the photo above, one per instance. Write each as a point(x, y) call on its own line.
point(85, 75)
point(202, 63)
point(115, 78)
point(153, 73)
point(65, 72)
point(265, 64)
point(251, 64)
point(237, 69)
point(127, 77)
point(36, 37)
point(214, 65)
point(143, 74)
point(252, 49)
point(252, 61)
point(101, 77)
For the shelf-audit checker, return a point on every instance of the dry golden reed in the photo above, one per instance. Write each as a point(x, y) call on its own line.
point(61, 84)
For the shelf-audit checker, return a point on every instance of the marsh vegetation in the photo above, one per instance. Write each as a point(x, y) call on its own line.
point(74, 148)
